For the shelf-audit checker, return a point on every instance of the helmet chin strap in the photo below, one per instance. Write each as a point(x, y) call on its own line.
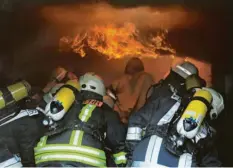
point(91, 95)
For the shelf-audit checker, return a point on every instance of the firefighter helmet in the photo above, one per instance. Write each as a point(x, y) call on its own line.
point(93, 83)
point(185, 69)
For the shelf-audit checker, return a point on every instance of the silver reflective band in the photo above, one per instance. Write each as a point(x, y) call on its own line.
point(147, 164)
point(13, 162)
point(40, 109)
point(153, 149)
point(137, 137)
point(22, 113)
point(168, 116)
point(68, 149)
point(133, 130)
point(152, 155)
point(69, 157)
point(134, 133)
point(184, 70)
point(185, 160)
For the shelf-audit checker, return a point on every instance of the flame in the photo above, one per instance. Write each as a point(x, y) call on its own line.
point(117, 41)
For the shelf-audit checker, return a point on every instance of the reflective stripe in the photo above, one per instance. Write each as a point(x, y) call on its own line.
point(70, 157)
point(184, 70)
point(185, 160)
point(41, 110)
point(133, 130)
point(153, 149)
point(120, 158)
point(147, 164)
point(86, 112)
point(23, 113)
point(156, 150)
point(13, 162)
point(68, 148)
point(168, 116)
point(76, 137)
point(137, 137)
point(134, 133)
point(43, 141)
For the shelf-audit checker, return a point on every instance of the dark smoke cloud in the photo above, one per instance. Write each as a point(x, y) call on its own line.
point(81, 17)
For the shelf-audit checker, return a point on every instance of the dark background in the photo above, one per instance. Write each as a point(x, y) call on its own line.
point(20, 25)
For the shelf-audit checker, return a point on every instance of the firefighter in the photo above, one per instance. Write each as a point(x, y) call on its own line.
point(18, 128)
point(171, 130)
point(58, 78)
point(131, 88)
point(110, 99)
point(86, 127)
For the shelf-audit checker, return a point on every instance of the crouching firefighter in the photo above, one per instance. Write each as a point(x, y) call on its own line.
point(171, 130)
point(58, 78)
point(80, 140)
point(18, 127)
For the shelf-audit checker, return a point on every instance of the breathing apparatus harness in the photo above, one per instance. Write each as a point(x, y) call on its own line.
point(56, 127)
point(174, 142)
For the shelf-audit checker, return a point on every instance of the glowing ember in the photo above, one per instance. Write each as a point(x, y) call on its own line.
point(117, 41)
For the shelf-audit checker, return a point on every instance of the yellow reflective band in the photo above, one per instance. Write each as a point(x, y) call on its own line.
point(120, 158)
point(76, 137)
point(70, 149)
point(70, 157)
point(82, 112)
point(119, 154)
point(80, 138)
point(43, 141)
point(2, 100)
point(72, 137)
point(18, 91)
point(86, 112)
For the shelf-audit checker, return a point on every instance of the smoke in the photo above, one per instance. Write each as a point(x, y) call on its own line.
point(77, 18)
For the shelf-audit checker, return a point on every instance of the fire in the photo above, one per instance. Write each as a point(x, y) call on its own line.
point(117, 41)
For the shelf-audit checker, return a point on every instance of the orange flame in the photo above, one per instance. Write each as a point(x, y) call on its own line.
point(117, 42)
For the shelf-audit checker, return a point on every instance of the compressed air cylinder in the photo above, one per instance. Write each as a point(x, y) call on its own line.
point(14, 93)
point(62, 101)
point(194, 114)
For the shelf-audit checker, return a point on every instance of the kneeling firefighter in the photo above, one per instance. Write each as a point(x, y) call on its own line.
point(171, 130)
point(85, 128)
point(58, 78)
point(18, 127)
